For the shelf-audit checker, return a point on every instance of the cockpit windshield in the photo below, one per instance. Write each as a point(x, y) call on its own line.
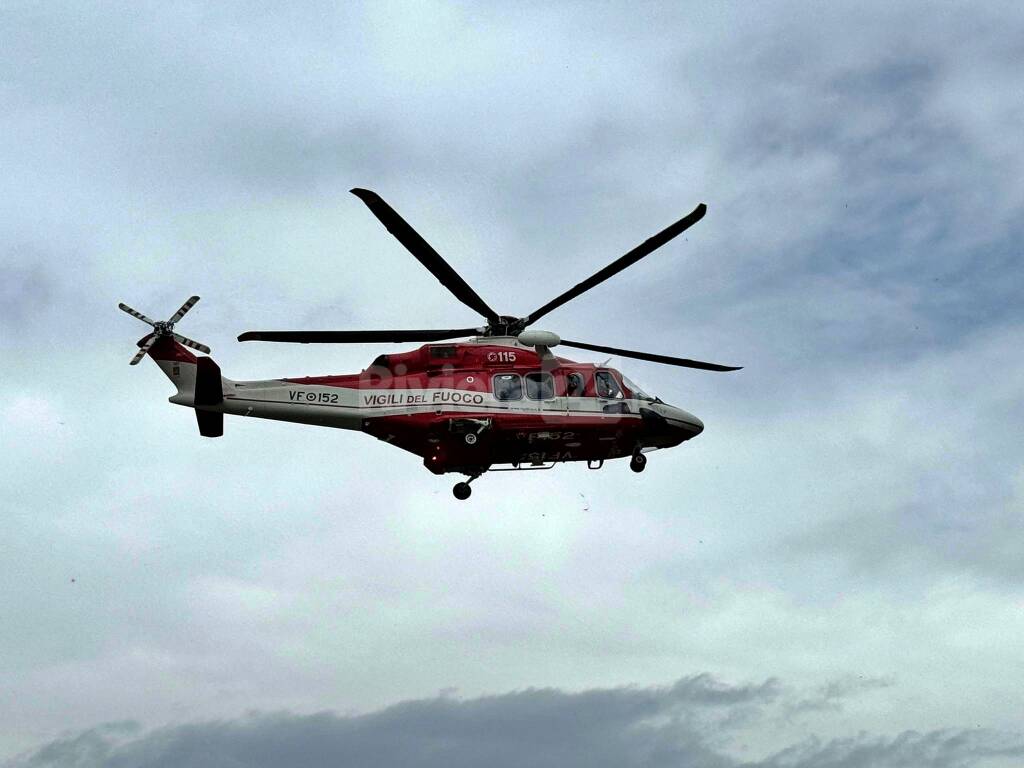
point(638, 393)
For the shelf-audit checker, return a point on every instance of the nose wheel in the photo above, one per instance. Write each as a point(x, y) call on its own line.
point(638, 463)
point(462, 491)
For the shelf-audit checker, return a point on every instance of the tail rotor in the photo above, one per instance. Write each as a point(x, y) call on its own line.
point(164, 328)
point(144, 349)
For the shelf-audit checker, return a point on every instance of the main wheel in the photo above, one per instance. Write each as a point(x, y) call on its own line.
point(638, 462)
point(462, 491)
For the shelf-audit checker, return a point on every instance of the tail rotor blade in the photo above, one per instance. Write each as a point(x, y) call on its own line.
point(189, 343)
point(144, 349)
point(135, 313)
point(184, 308)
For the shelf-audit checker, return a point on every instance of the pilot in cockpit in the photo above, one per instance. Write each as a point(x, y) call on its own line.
point(574, 386)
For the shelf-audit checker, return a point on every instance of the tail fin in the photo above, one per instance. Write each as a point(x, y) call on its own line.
point(198, 379)
point(211, 423)
point(209, 393)
point(200, 385)
point(178, 364)
point(209, 382)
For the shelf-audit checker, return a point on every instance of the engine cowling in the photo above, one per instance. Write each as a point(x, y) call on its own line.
point(539, 339)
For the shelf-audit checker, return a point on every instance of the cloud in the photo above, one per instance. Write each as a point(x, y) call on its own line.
point(690, 724)
point(26, 293)
point(927, 514)
point(831, 695)
point(936, 749)
point(855, 503)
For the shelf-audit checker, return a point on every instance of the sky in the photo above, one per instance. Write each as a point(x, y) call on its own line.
point(830, 575)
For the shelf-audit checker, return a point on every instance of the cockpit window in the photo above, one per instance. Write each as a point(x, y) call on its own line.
point(574, 385)
point(507, 386)
point(540, 386)
point(606, 385)
point(638, 393)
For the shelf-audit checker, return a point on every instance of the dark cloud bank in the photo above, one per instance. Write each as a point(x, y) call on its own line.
point(697, 722)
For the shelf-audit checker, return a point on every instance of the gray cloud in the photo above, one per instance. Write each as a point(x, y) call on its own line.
point(27, 290)
point(686, 724)
point(832, 695)
point(937, 749)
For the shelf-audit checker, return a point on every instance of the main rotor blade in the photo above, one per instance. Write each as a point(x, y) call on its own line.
point(190, 343)
point(357, 337)
point(184, 308)
point(424, 253)
point(647, 246)
point(134, 313)
point(144, 349)
point(680, 361)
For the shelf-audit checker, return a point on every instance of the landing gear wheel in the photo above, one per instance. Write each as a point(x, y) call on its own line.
point(462, 491)
point(638, 462)
point(470, 438)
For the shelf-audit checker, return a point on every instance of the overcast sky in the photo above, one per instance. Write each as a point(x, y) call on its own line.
point(832, 574)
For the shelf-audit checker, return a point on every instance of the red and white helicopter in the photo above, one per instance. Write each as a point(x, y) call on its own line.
point(500, 398)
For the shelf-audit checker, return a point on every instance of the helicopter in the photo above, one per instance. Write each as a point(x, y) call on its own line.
point(498, 400)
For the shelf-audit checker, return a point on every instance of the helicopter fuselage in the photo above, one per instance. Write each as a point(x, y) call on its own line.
point(462, 407)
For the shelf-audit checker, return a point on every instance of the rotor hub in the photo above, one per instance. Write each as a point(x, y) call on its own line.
point(507, 325)
point(163, 329)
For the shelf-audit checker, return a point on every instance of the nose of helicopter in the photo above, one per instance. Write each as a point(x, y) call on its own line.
point(684, 421)
point(666, 425)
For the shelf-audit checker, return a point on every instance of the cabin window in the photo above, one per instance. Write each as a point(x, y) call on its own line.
point(540, 386)
point(507, 386)
point(606, 385)
point(574, 385)
point(444, 351)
